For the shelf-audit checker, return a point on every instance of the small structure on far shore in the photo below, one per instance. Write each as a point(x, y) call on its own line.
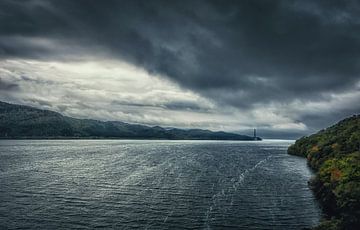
point(256, 138)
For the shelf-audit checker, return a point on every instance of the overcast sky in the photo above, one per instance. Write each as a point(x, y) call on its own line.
point(287, 68)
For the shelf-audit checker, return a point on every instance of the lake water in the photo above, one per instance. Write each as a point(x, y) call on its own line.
point(136, 184)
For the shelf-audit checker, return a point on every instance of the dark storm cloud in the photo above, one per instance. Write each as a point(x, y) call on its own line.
point(332, 116)
point(185, 105)
point(7, 86)
point(239, 53)
point(171, 105)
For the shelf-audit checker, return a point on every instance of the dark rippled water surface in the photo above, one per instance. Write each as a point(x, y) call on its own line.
point(153, 185)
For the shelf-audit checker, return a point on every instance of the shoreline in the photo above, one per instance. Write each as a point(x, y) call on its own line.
point(117, 138)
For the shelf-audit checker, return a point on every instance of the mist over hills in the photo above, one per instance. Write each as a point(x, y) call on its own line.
point(18, 121)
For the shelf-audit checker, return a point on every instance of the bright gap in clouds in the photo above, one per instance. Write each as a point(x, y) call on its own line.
point(115, 90)
point(104, 90)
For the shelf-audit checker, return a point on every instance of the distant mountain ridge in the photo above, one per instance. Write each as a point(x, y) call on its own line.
point(19, 121)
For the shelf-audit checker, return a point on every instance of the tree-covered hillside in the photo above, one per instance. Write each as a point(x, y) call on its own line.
point(334, 153)
point(18, 121)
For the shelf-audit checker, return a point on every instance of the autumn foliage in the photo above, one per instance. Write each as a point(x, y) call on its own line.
point(334, 153)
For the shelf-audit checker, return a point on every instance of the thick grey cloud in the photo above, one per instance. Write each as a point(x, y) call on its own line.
point(7, 86)
point(245, 54)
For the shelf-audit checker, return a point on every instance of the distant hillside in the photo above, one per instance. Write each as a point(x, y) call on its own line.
point(18, 121)
point(334, 153)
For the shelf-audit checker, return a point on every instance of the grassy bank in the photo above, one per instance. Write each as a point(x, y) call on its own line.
point(334, 153)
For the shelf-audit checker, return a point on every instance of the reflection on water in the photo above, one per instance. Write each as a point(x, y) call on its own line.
point(153, 185)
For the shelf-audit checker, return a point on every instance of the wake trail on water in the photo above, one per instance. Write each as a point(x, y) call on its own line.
point(222, 195)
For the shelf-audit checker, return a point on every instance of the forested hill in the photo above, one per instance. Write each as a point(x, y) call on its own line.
point(334, 153)
point(18, 121)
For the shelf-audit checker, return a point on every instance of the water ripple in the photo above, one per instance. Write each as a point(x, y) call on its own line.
point(153, 185)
